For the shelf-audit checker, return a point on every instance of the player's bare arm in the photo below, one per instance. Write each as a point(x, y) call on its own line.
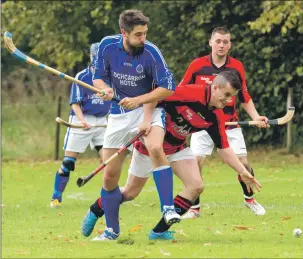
point(154, 96)
point(77, 110)
point(233, 161)
point(250, 108)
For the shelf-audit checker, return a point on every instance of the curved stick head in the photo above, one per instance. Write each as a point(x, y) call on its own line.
point(287, 117)
point(80, 181)
point(9, 42)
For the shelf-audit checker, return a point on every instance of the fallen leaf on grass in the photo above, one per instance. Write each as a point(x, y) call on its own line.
point(181, 232)
point(60, 214)
point(68, 240)
point(207, 244)
point(135, 229)
point(243, 227)
point(286, 218)
point(3, 205)
point(83, 244)
point(126, 241)
point(218, 232)
point(136, 205)
point(22, 252)
point(165, 252)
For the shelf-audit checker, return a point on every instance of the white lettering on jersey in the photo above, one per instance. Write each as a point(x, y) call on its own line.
point(206, 79)
point(129, 80)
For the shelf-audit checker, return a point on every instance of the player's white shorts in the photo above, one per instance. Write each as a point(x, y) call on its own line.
point(122, 128)
point(202, 144)
point(141, 165)
point(77, 140)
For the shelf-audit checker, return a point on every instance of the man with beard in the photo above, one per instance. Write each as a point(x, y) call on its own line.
point(191, 109)
point(138, 77)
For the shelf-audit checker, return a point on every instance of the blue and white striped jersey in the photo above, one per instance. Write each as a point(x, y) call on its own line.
point(128, 75)
point(89, 102)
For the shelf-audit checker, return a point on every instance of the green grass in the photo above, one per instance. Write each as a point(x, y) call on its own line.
point(30, 229)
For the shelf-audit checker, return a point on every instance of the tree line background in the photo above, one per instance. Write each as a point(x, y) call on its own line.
point(267, 36)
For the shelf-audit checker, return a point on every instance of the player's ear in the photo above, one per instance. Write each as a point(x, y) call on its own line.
point(229, 45)
point(123, 32)
point(210, 42)
point(215, 87)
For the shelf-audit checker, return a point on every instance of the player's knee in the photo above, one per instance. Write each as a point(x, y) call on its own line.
point(68, 164)
point(196, 188)
point(110, 178)
point(129, 195)
point(155, 149)
point(199, 188)
point(130, 192)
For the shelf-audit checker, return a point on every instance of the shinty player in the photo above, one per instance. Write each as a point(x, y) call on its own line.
point(87, 109)
point(192, 108)
point(138, 76)
point(202, 71)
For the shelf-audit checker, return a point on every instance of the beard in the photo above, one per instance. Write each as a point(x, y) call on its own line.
point(135, 50)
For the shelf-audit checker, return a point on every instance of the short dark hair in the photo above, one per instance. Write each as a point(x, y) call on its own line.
point(220, 30)
point(130, 18)
point(231, 76)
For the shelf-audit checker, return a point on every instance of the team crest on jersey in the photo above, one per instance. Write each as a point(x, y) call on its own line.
point(139, 68)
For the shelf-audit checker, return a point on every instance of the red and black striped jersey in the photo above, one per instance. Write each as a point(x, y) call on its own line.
point(202, 71)
point(187, 111)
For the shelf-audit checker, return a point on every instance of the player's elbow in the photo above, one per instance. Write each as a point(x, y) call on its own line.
point(165, 92)
point(169, 92)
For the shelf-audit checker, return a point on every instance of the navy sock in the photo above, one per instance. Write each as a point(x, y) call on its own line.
point(111, 204)
point(97, 207)
point(163, 177)
point(59, 186)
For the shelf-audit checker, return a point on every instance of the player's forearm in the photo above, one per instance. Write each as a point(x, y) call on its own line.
point(232, 160)
point(250, 108)
point(100, 84)
point(77, 110)
point(155, 95)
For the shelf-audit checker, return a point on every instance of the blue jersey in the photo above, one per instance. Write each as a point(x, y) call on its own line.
point(129, 75)
point(89, 102)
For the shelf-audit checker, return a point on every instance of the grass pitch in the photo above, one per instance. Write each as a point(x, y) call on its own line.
point(30, 229)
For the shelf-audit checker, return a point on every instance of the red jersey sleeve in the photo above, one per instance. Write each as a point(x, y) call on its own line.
point(187, 93)
point(194, 66)
point(217, 131)
point(243, 94)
